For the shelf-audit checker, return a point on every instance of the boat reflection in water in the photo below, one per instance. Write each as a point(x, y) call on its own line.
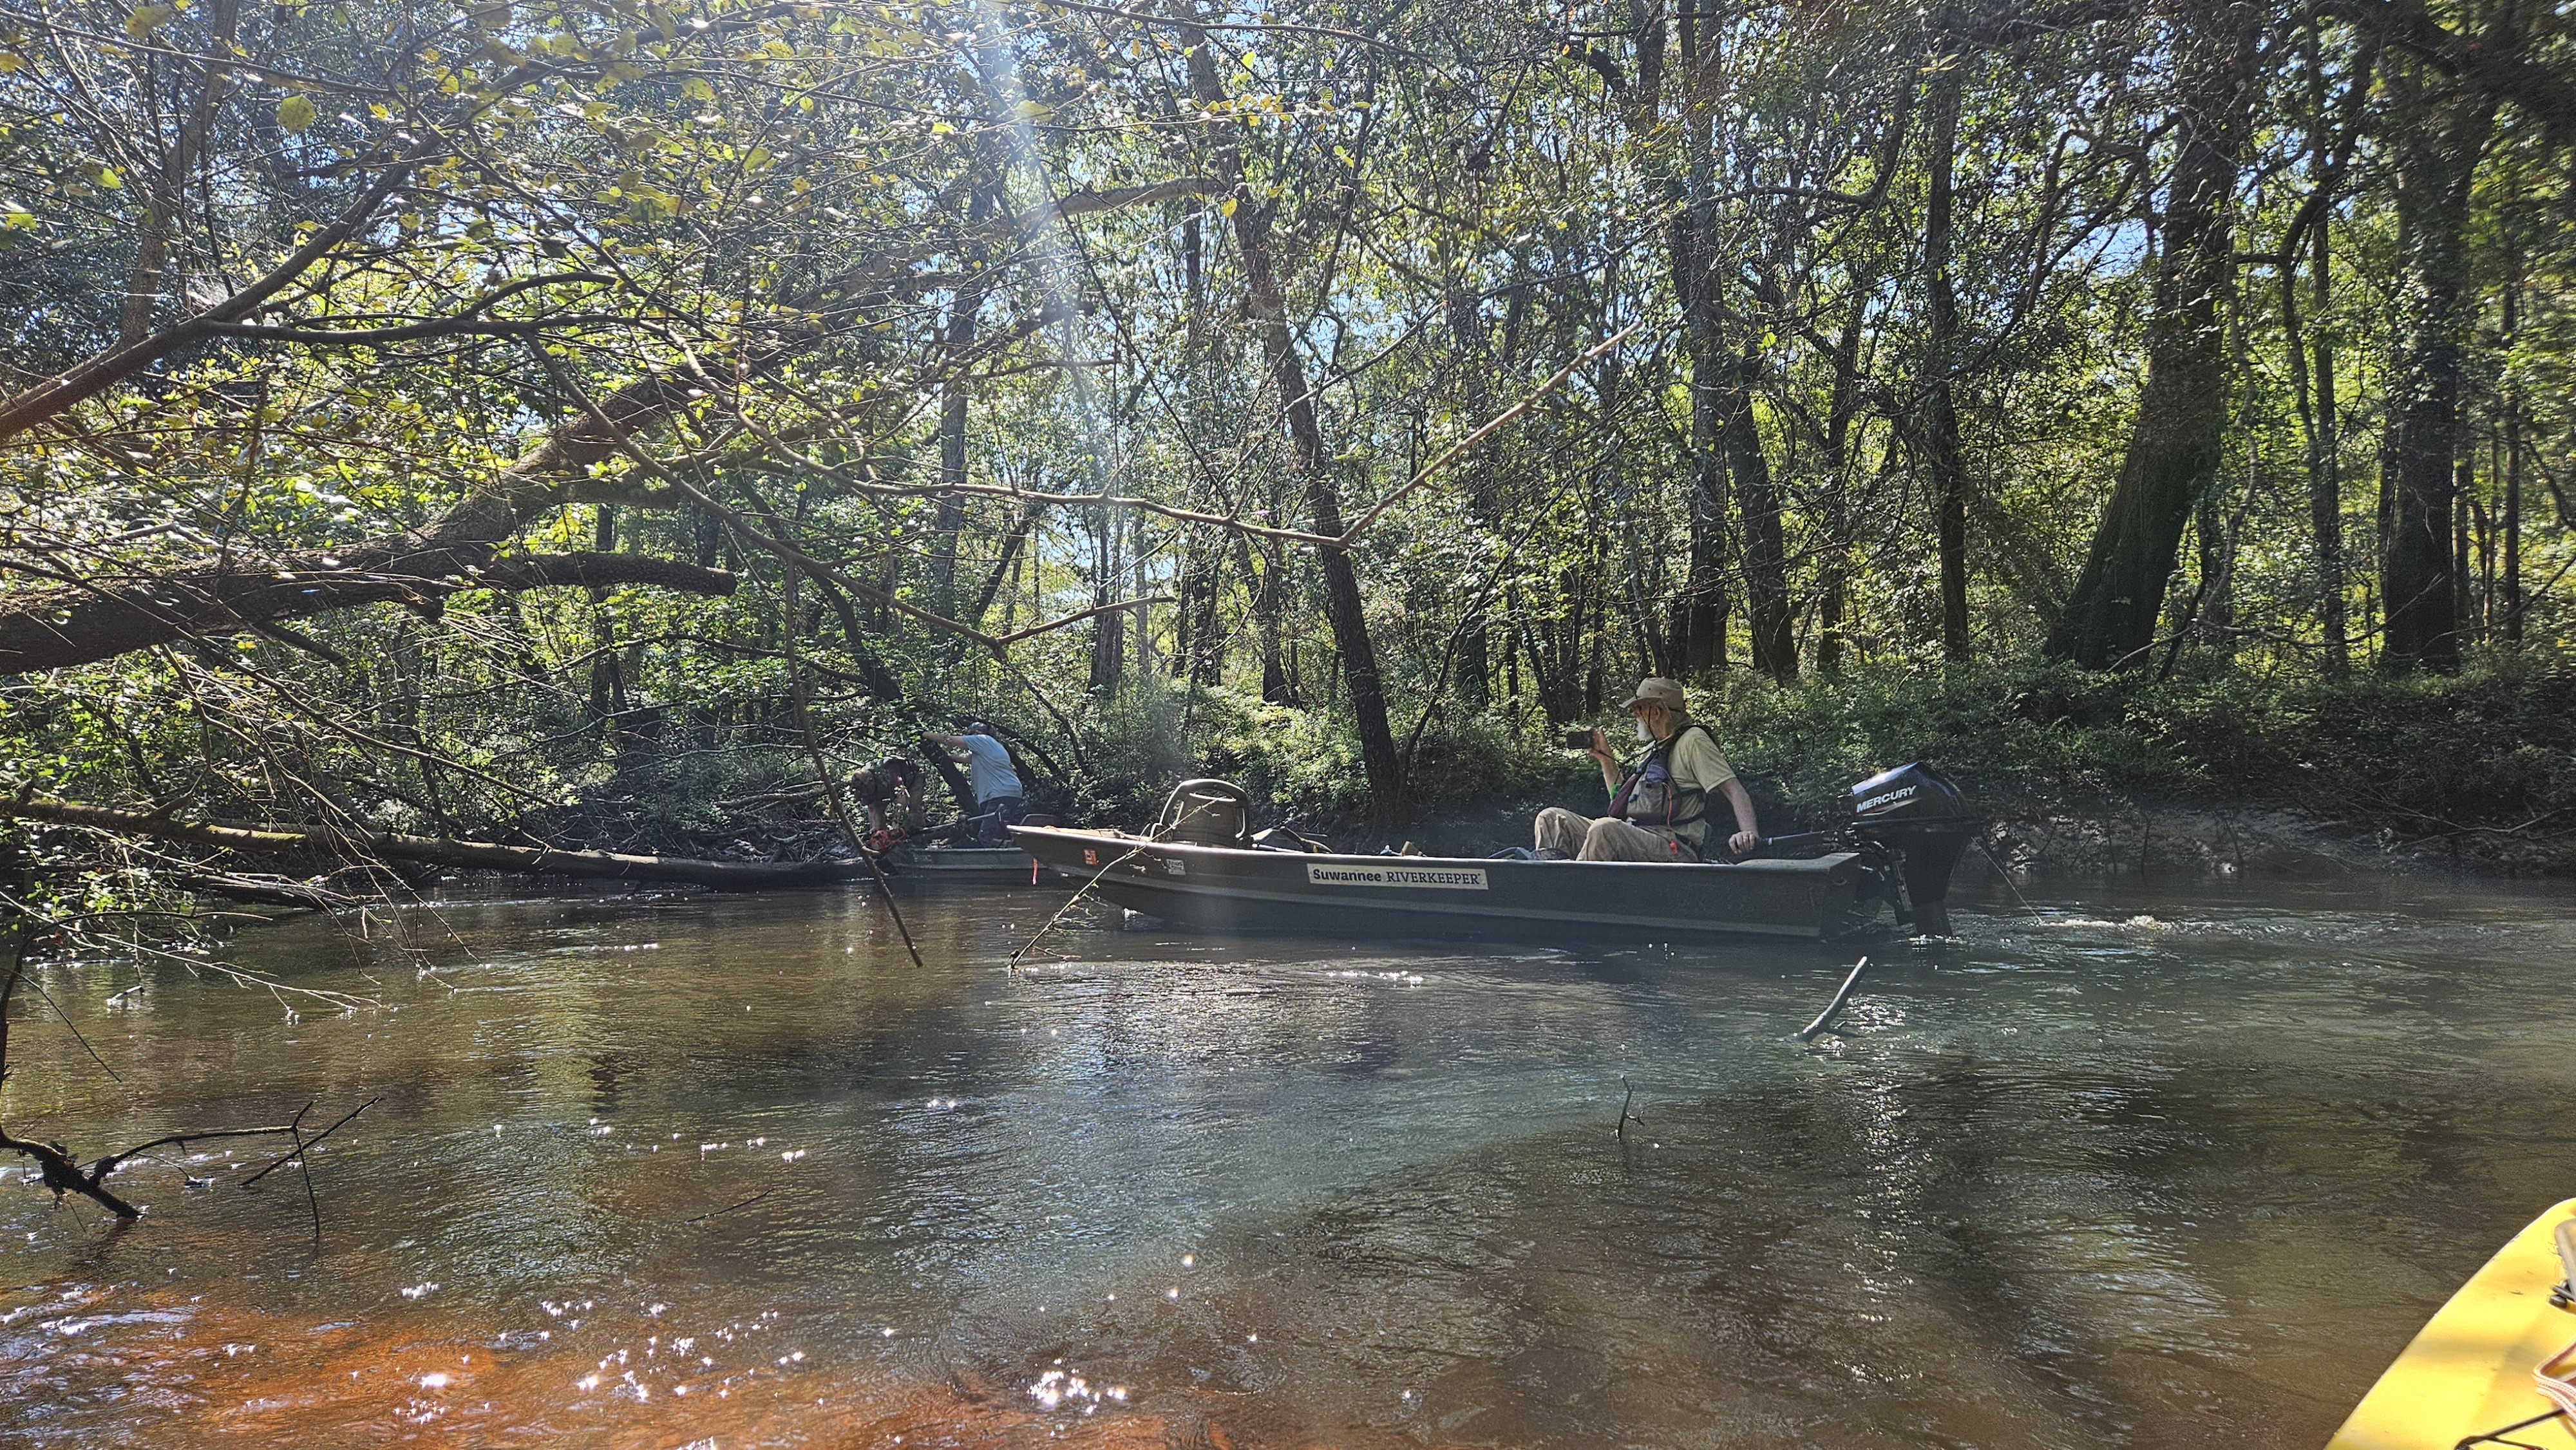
point(1202, 868)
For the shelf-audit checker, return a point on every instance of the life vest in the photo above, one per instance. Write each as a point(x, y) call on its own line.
point(1649, 796)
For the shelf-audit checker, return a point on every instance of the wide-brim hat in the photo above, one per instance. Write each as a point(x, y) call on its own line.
point(1654, 690)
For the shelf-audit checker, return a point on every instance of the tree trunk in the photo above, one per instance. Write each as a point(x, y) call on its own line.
point(1467, 333)
point(2325, 481)
point(2324, 429)
point(1108, 631)
point(1699, 616)
point(948, 519)
point(168, 197)
point(2464, 594)
point(1201, 635)
point(1940, 406)
point(1766, 568)
point(607, 679)
point(1001, 568)
point(2174, 446)
point(1267, 586)
point(1343, 605)
point(1312, 462)
point(2440, 132)
point(2511, 524)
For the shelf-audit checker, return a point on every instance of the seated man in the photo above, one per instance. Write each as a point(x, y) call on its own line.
point(990, 775)
point(1659, 809)
point(893, 781)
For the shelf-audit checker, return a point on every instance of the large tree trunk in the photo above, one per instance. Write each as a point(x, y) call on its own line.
point(1766, 566)
point(1841, 412)
point(2441, 131)
point(948, 517)
point(1940, 405)
point(2319, 418)
point(2325, 477)
point(1342, 603)
point(1699, 616)
point(1694, 643)
point(1312, 461)
point(79, 625)
point(2174, 446)
point(2511, 524)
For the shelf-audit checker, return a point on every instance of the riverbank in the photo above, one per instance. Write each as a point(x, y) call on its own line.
point(2082, 774)
point(2093, 774)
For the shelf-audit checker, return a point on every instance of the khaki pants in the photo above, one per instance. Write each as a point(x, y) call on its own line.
point(1606, 838)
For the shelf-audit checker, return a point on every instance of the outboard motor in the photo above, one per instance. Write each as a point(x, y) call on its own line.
point(1205, 813)
point(1916, 813)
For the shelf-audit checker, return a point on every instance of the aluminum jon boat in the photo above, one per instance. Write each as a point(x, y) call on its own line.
point(1200, 869)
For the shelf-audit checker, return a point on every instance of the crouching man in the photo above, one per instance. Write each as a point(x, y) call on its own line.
point(1658, 806)
point(891, 791)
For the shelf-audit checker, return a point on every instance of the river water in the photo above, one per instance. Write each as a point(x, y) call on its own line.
point(2119, 1169)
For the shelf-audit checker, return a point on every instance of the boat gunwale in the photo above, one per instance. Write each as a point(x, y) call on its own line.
point(1767, 865)
point(1154, 893)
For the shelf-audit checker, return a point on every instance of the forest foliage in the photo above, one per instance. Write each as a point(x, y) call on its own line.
point(580, 422)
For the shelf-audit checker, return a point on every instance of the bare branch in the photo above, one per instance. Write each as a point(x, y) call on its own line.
point(359, 843)
point(65, 389)
point(95, 621)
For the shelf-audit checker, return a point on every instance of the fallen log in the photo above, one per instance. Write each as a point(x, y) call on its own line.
point(263, 891)
point(437, 851)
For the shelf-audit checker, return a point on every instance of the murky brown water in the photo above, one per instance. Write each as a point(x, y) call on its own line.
point(732, 1173)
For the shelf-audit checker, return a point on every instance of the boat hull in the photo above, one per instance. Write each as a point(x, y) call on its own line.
point(1224, 889)
point(2469, 1373)
point(962, 863)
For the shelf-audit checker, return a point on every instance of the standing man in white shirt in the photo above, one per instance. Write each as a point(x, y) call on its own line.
point(999, 797)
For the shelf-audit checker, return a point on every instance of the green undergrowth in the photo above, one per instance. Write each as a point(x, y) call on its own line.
point(2486, 757)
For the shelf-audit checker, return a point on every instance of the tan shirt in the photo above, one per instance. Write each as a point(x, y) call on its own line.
point(1695, 761)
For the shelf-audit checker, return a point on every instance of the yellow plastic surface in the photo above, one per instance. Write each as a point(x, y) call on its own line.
point(2469, 1372)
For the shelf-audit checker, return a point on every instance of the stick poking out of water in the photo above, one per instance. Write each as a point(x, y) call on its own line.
point(730, 1207)
point(1835, 1005)
point(1626, 1117)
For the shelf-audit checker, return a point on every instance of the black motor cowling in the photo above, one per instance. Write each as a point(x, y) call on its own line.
point(1914, 812)
point(1205, 813)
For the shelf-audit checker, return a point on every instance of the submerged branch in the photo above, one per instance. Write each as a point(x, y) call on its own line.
point(437, 851)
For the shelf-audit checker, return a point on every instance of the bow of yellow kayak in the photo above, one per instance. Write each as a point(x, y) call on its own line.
point(2470, 1372)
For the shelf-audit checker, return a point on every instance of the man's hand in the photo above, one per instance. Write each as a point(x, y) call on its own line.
point(1742, 842)
point(1600, 748)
